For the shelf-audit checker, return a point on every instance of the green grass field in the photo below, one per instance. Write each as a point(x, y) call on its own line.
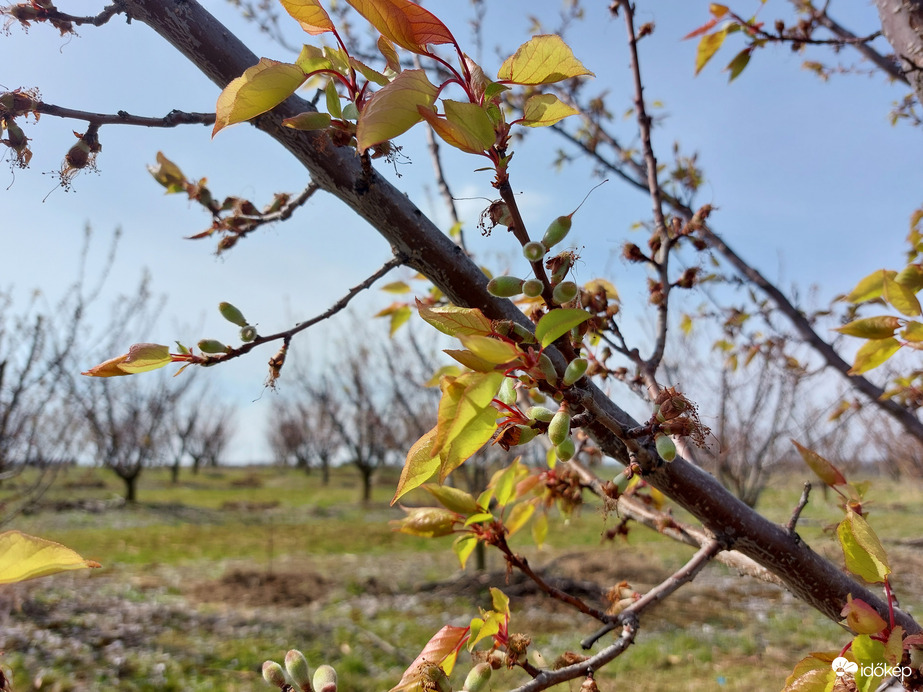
point(203, 580)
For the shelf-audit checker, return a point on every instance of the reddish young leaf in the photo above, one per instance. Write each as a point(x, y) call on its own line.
point(404, 23)
point(465, 126)
point(861, 617)
point(442, 646)
point(310, 14)
point(708, 46)
point(705, 28)
point(826, 471)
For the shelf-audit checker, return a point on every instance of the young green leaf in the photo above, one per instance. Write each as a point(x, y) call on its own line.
point(864, 554)
point(490, 349)
point(470, 360)
point(309, 120)
point(543, 110)
point(25, 557)
point(454, 321)
point(419, 466)
point(168, 174)
point(542, 60)
point(453, 499)
point(394, 109)
point(465, 126)
point(738, 64)
point(463, 546)
point(556, 323)
point(261, 88)
point(519, 517)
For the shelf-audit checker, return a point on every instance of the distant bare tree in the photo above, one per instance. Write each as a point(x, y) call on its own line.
point(303, 433)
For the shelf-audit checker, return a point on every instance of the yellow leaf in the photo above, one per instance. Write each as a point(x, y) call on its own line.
point(419, 466)
point(708, 46)
point(902, 298)
point(878, 327)
point(453, 320)
point(259, 89)
point(872, 354)
point(490, 349)
point(519, 517)
point(870, 287)
point(913, 331)
point(465, 126)
point(542, 60)
point(685, 324)
point(393, 109)
point(310, 14)
point(26, 557)
point(544, 110)
point(862, 550)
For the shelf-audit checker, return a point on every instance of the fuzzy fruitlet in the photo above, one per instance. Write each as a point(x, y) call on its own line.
point(325, 679)
point(273, 674)
point(534, 251)
point(212, 346)
point(566, 450)
point(547, 368)
point(504, 286)
point(232, 314)
point(559, 427)
point(297, 666)
point(507, 393)
point(478, 677)
point(665, 447)
point(540, 413)
point(248, 333)
point(556, 231)
point(564, 292)
point(532, 288)
point(575, 370)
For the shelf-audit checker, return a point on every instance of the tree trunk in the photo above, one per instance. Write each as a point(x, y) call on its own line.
point(902, 25)
point(174, 473)
point(131, 488)
point(367, 472)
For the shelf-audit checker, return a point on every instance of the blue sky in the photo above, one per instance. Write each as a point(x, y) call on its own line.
point(812, 184)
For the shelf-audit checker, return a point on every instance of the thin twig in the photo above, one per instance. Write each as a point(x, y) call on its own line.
point(683, 575)
point(171, 119)
point(104, 16)
point(301, 326)
point(799, 507)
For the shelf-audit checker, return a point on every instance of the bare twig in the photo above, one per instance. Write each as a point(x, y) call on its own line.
point(171, 119)
point(683, 575)
point(799, 507)
point(55, 17)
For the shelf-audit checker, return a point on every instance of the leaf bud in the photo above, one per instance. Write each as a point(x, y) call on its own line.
point(532, 288)
point(478, 677)
point(556, 231)
point(325, 679)
point(632, 253)
point(534, 251)
point(559, 427)
point(273, 674)
point(666, 448)
point(540, 413)
point(428, 522)
point(504, 286)
point(248, 333)
point(232, 314)
point(297, 666)
point(547, 368)
point(575, 370)
point(212, 346)
point(566, 450)
point(564, 292)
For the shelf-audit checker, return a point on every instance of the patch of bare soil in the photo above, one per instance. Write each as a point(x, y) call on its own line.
point(259, 587)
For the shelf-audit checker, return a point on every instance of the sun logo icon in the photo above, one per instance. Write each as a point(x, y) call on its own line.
point(842, 666)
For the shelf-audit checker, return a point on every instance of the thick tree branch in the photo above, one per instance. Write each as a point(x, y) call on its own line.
point(902, 22)
point(222, 57)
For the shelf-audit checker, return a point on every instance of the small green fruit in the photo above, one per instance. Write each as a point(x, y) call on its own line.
point(547, 368)
point(504, 286)
point(559, 427)
point(297, 666)
point(665, 447)
point(564, 292)
point(556, 231)
point(526, 434)
point(507, 393)
point(575, 370)
point(533, 288)
point(325, 679)
point(273, 674)
point(540, 413)
point(248, 333)
point(478, 677)
point(212, 346)
point(534, 251)
point(566, 450)
point(232, 314)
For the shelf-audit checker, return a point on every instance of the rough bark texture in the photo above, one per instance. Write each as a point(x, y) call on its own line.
point(902, 24)
point(222, 57)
